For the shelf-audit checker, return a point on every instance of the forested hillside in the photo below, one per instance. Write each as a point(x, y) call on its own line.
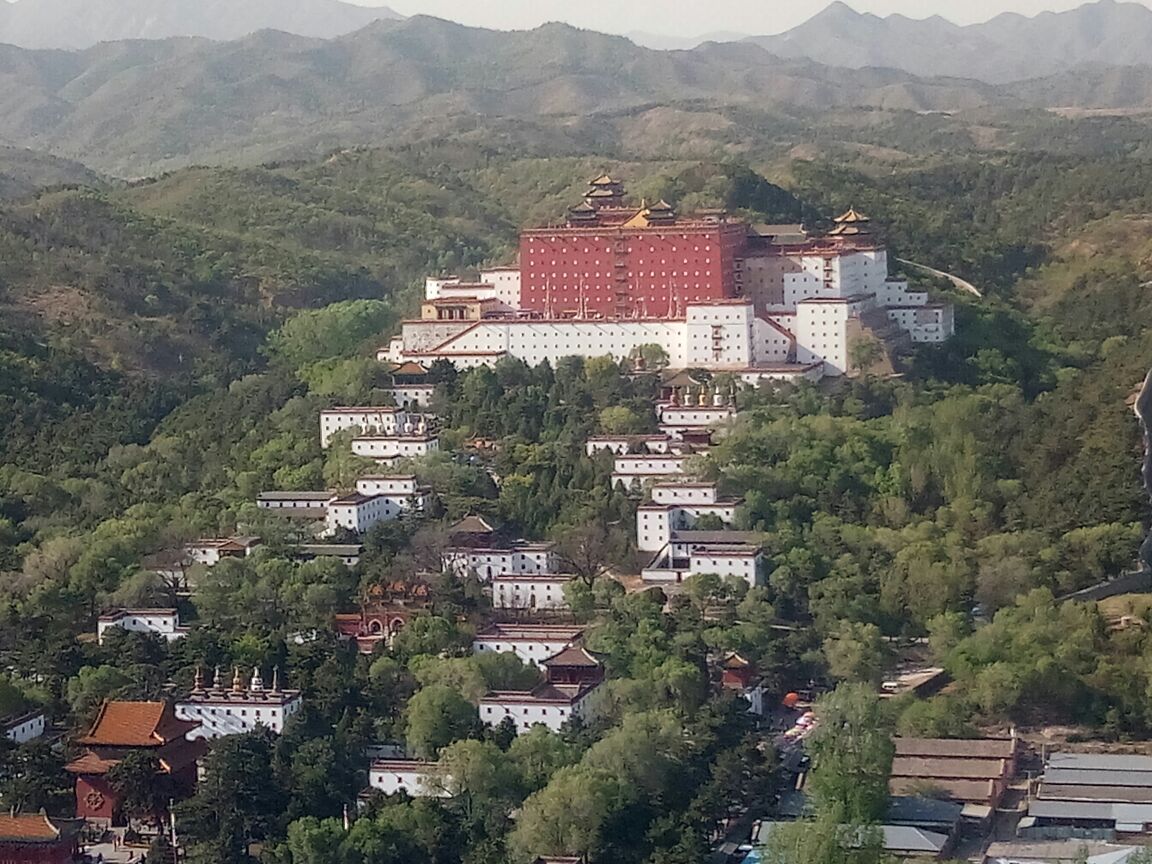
point(167, 344)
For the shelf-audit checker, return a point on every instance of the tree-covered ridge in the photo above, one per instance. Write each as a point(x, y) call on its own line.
point(953, 503)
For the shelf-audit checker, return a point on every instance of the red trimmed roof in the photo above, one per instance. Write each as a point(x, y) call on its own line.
point(91, 763)
point(573, 655)
point(28, 828)
point(735, 661)
point(137, 724)
point(471, 525)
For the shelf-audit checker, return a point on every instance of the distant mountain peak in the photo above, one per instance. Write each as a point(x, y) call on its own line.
point(1009, 47)
point(83, 23)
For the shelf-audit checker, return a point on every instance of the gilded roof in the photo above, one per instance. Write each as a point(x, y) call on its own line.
point(852, 216)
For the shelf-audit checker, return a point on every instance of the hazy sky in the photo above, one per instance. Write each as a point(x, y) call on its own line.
point(694, 17)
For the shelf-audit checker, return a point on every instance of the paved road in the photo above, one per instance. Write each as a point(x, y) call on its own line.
point(962, 284)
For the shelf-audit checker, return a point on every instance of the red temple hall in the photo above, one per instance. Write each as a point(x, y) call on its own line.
point(33, 838)
point(612, 260)
point(126, 727)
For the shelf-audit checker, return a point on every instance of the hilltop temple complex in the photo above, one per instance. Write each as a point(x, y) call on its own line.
point(713, 291)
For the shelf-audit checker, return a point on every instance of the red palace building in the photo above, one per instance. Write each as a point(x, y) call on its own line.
point(33, 838)
point(617, 261)
point(126, 727)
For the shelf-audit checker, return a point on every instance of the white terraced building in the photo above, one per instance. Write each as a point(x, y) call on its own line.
point(572, 690)
point(23, 728)
point(550, 705)
point(389, 449)
point(633, 471)
point(532, 643)
point(678, 506)
point(692, 553)
point(417, 778)
point(621, 445)
point(358, 512)
point(210, 551)
point(242, 708)
point(499, 283)
point(675, 420)
point(521, 558)
point(377, 420)
point(162, 622)
point(378, 498)
point(528, 591)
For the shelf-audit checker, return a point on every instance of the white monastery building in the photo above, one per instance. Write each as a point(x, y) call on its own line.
point(24, 727)
point(724, 553)
point(210, 551)
point(380, 420)
point(708, 413)
point(573, 689)
point(678, 506)
point(417, 778)
point(544, 591)
point(240, 709)
point(378, 498)
point(755, 301)
point(389, 449)
point(634, 470)
point(162, 622)
point(621, 445)
point(302, 501)
point(532, 643)
point(515, 558)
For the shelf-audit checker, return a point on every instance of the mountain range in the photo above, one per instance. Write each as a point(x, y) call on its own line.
point(1009, 47)
point(83, 23)
point(140, 106)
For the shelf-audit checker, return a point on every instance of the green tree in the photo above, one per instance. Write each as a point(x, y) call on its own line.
point(480, 779)
point(851, 755)
point(143, 788)
point(864, 353)
point(857, 652)
point(827, 839)
point(237, 801)
point(620, 420)
point(335, 331)
point(538, 754)
point(315, 841)
point(568, 816)
point(92, 686)
point(32, 778)
point(436, 716)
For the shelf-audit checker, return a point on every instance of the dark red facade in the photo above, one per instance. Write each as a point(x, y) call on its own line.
point(615, 260)
point(62, 852)
point(33, 838)
point(629, 272)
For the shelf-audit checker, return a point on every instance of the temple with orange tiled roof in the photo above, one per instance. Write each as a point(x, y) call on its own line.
point(122, 728)
point(34, 838)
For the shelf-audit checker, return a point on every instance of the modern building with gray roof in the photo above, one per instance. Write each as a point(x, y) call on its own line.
point(1089, 790)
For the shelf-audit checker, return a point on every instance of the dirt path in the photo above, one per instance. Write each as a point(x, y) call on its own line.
point(962, 284)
